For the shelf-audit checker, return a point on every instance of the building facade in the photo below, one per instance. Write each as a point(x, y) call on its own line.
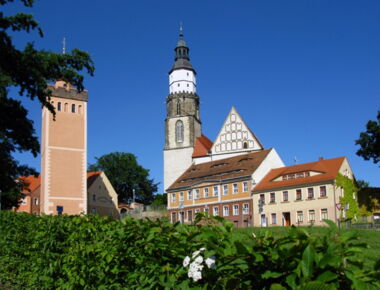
point(303, 194)
point(64, 152)
point(221, 187)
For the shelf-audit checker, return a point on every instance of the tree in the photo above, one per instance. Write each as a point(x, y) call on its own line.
point(369, 141)
point(160, 199)
point(29, 71)
point(126, 176)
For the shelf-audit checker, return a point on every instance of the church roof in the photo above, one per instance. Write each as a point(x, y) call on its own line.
point(322, 170)
point(220, 170)
point(202, 146)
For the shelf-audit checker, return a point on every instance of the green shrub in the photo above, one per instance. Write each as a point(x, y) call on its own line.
point(76, 252)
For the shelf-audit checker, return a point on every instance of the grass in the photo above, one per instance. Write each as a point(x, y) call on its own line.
point(371, 237)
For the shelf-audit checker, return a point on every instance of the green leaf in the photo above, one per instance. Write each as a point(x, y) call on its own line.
point(327, 276)
point(317, 285)
point(269, 274)
point(331, 224)
point(277, 287)
point(307, 261)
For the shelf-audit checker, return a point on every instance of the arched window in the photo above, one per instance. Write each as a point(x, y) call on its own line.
point(59, 106)
point(178, 108)
point(245, 145)
point(179, 131)
point(73, 108)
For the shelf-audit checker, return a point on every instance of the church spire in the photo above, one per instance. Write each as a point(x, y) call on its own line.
point(181, 51)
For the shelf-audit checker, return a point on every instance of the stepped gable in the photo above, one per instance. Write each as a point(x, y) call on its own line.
point(219, 170)
point(202, 146)
point(319, 171)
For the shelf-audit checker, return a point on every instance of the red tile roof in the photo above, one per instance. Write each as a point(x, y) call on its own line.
point(91, 176)
point(222, 169)
point(202, 146)
point(30, 183)
point(328, 169)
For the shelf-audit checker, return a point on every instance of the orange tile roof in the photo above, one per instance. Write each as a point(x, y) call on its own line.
point(30, 183)
point(328, 168)
point(202, 146)
point(222, 169)
point(91, 176)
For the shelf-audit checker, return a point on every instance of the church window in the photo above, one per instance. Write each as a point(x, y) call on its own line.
point(179, 131)
point(73, 108)
point(178, 108)
point(245, 145)
point(59, 106)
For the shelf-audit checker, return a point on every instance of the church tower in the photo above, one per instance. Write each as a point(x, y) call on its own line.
point(182, 124)
point(64, 152)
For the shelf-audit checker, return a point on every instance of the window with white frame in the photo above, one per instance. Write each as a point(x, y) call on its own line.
point(272, 197)
point(236, 209)
point(215, 211)
point(299, 217)
point(226, 210)
point(225, 189)
point(322, 191)
point(35, 201)
point(190, 195)
point(310, 193)
point(274, 218)
point(216, 190)
point(245, 208)
point(197, 194)
point(206, 192)
point(245, 186)
point(298, 194)
point(235, 188)
point(285, 196)
point(324, 214)
point(262, 198)
point(312, 215)
point(181, 196)
point(174, 199)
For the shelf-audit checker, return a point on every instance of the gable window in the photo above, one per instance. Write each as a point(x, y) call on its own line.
point(272, 197)
point(215, 211)
point(73, 108)
point(216, 190)
point(236, 209)
point(190, 195)
point(206, 192)
point(310, 193)
point(246, 208)
point(174, 199)
point(322, 191)
point(181, 196)
point(226, 210)
point(285, 196)
point(225, 189)
point(298, 194)
point(197, 195)
point(245, 186)
point(179, 131)
point(235, 188)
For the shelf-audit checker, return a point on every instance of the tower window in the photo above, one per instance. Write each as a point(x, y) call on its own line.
point(179, 131)
point(73, 108)
point(59, 106)
point(178, 108)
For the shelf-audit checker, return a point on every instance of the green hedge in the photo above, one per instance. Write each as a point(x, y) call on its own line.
point(72, 252)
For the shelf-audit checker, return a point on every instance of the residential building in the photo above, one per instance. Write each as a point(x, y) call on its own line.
point(302, 194)
point(30, 202)
point(221, 188)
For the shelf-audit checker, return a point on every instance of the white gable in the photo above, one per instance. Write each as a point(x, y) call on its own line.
point(235, 136)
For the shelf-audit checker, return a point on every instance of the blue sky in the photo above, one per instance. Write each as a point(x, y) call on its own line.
point(303, 74)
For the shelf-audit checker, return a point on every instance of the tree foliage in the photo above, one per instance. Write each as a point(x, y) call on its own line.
point(369, 141)
point(126, 176)
point(29, 71)
point(349, 200)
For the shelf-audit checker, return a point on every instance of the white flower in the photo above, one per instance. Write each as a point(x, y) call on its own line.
point(202, 249)
point(198, 260)
point(196, 253)
point(210, 262)
point(195, 271)
point(186, 261)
